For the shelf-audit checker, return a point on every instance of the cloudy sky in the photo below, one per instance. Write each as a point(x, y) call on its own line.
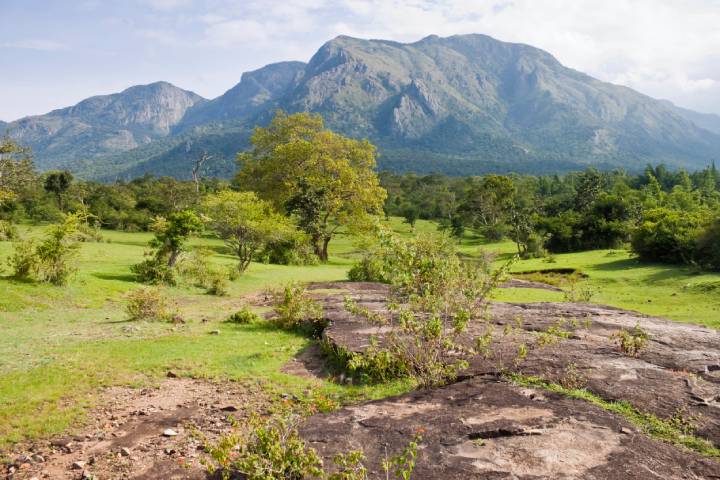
point(54, 53)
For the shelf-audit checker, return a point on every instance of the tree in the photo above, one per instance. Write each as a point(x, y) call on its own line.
point(17, 173)
point(246, 223)
point(197, 167)
point(410, 214)
point(172, 233)
point(324, 178)
point(58, 182)
point(488, 205)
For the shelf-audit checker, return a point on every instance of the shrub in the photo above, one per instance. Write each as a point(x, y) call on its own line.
point(197, 269)
point(243, 316)
point(707, 250)
point(265, 449)
point(154, 270)
point(51, 259)
point(436, 296)
point(667, 235)
point(170, 237)
point(632, 341)
point(578, 291)
point(293, 250)
point(146, 304)
point(217, 284)
point(271, 449)
point(8, 231)
point(293, 307)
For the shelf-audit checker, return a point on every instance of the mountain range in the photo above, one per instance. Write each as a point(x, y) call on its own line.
point(466, 104)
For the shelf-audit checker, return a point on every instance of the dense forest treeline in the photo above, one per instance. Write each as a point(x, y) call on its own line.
point(662, 214)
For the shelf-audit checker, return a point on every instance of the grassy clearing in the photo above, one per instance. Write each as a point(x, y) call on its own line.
point(59, 345)
point(676, 430)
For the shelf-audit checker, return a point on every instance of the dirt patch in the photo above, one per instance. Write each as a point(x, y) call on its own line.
point(144, 433)
point(309, 363)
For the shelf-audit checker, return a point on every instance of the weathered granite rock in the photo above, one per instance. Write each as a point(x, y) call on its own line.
point(677, 373)
point(482, 428)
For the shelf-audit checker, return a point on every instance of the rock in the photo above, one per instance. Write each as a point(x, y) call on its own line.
point(79, 465)
point(214, 332)
point(38, 458)
point(626, 431)
point(170, 451)
point(484, 428)
point(229, 408)
point(171, 374)
point(125, 452)
point(169, 432)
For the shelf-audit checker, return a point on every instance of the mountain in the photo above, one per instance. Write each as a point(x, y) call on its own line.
point(708, 121)
point(466, 104)
point(103, 125)
point(254, 94)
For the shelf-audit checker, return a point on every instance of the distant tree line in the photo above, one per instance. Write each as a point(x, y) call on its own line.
point(293, 171)
point(662, 215)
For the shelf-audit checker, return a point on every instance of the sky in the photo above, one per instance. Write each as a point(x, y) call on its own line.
point(54, 53)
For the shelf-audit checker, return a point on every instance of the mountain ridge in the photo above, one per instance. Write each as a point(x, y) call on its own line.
point(464, 104)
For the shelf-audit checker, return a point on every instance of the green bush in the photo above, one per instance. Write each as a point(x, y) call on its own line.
point(243, 316)
point(707, 250)
point(293, 307)
point(154, 270)
point(50, 259)
point(266, 449)
point(632, 341)
point(668, 235)
point(197, 269)
point(8, 231)
point(271, 449)
point(435, 297)
point(146, 304)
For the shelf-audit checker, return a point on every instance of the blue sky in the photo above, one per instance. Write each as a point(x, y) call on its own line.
point(57, 52)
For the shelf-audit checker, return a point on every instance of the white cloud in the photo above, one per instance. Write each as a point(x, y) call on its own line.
point(41, 45)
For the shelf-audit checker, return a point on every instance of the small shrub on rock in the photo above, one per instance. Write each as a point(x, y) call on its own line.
point(243, 316)
point(147, 304)
point(271, 449)
point(436, 296)
point(294, 307)
point(632, 341)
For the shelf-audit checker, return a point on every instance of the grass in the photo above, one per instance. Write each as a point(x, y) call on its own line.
point(61, 344)
point(676, 430)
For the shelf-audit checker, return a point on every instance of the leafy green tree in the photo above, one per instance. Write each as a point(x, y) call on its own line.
point(667, 235)
point(324, 178)
point(488, 205)
point(246, 223)
point(411, 215)
point(707, 250)
point(17, 173)
point(171, 233)
point(57, 183)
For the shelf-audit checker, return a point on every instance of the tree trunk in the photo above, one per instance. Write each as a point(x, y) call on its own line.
point(324, 255)
point(173, 258)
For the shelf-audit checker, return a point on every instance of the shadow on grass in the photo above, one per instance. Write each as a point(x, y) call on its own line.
point(119, 277)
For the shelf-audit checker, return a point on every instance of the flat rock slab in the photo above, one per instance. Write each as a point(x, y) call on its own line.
point(678, 373)
point(481, 428)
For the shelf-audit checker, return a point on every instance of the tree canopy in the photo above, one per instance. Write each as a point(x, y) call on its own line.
point(327, 180)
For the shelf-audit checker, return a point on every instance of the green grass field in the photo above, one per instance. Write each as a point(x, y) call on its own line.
point(60, 344)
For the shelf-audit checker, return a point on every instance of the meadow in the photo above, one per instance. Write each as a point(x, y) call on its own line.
point(60, 345)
